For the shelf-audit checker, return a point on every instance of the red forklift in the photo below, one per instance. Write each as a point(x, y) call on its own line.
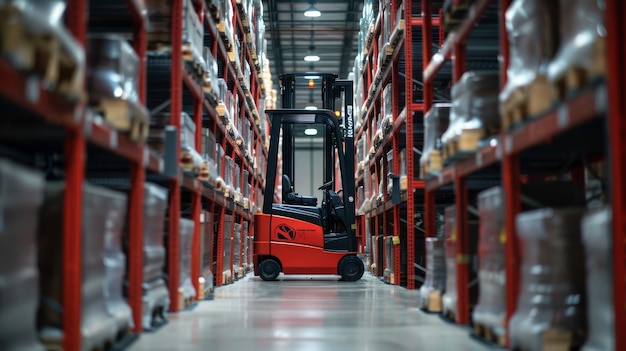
point(297, 236)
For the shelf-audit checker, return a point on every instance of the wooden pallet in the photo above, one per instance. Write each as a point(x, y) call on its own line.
point(527, 101)
point(125, 116)
point(488, 334)
point(42, 53)
point(435, 304)
point(575, 77)
point(434, 163)
point(184, 302)
point(555, 340)
point(466, 142)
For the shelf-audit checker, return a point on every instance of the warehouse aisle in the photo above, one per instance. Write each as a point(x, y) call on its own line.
point(308, 314)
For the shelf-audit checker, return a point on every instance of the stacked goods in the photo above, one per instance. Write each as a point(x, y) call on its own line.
point(21, 194)
point(208, 172)
point(190, 159)
point(490, 314)
point(159, 33)
point(389, 273)
point(113, 84)
point(206, 269)
point(450, 298)
point(186, 291)
point(227, 272)
point(102, 210)
point(454, 13)
point(551, 311)
point(532, 27)
point(34, 39)
point(244, 248)
point(581, 54)
point(597, 235)
point(435, 124)
point(210, 78)
point(115, 265)
point(237, 250)
point(474, 114)
point(156, 298)
point(435, 282)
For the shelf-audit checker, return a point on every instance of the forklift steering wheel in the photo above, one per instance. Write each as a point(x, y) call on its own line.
point(326, 185)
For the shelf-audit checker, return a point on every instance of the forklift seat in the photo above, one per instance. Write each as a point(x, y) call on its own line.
point(292, 198)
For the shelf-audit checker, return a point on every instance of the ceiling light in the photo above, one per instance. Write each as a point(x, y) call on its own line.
point(312, 12)
point(310, 108)
point(312, 76)
point(310, 131)
point(311, 58)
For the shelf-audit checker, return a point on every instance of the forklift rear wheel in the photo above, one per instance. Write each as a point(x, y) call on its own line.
point(351, 268)
point(269, 269)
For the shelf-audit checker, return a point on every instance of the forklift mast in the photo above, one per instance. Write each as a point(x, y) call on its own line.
point(332, 89)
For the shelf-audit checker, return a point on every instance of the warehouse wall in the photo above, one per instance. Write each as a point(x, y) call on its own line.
point(309, 176)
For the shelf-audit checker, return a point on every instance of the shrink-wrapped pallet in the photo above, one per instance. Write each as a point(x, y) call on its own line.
point(237, 248)
point(551, 306)
point(581, 54)
point(450, 298)
point(190, 159)
point(597, 239)
point(208, 237)
point(155, 294)
point(474, 113)
point(435, 281)
point(490, 312)
point(533, 39)
point(244, 246)
point(101, 209)
point(115, 263)
point(389, 272)
point(21, 194)
point(34, 38)
point(185, 285)
point(435, 124)
point(228, 244)
point(113, 69)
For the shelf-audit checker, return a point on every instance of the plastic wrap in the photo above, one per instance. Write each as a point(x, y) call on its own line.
point(21, 194)
point(491, 309)
point(583, 33)
point(193, 33)
point(113, 69)
point(244, 246)
point(97, 325)
point(228, 243)
point(533, 38)
point(185, 286)
point(435, 281)
point(597, 235)
point(155, 201)
point(551, 303)
point(389, 255)
point(211, 78)
point(237, 248)
point(208, 236)
point(42, 19)
point(190, 159)
point(115, 261)
point(474, 106)
point(450, 298)
point(435, 124)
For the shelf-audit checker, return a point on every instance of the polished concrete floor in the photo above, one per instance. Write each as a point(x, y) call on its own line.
point(301, 313)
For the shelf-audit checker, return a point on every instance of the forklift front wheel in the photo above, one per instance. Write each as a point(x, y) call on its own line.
point(351, 268)
point(269, 269)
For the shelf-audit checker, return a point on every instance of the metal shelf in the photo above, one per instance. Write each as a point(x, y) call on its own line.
point(455, 38)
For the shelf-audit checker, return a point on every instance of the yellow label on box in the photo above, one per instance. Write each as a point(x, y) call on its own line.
point(503, 236)
point(395, 240)
point(453, 236)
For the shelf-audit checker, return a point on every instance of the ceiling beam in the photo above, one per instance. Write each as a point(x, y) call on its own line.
point(278, 57)
point(348, 40)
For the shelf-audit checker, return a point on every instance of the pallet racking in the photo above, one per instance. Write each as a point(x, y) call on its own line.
point(84, 141)
point(589, 124)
